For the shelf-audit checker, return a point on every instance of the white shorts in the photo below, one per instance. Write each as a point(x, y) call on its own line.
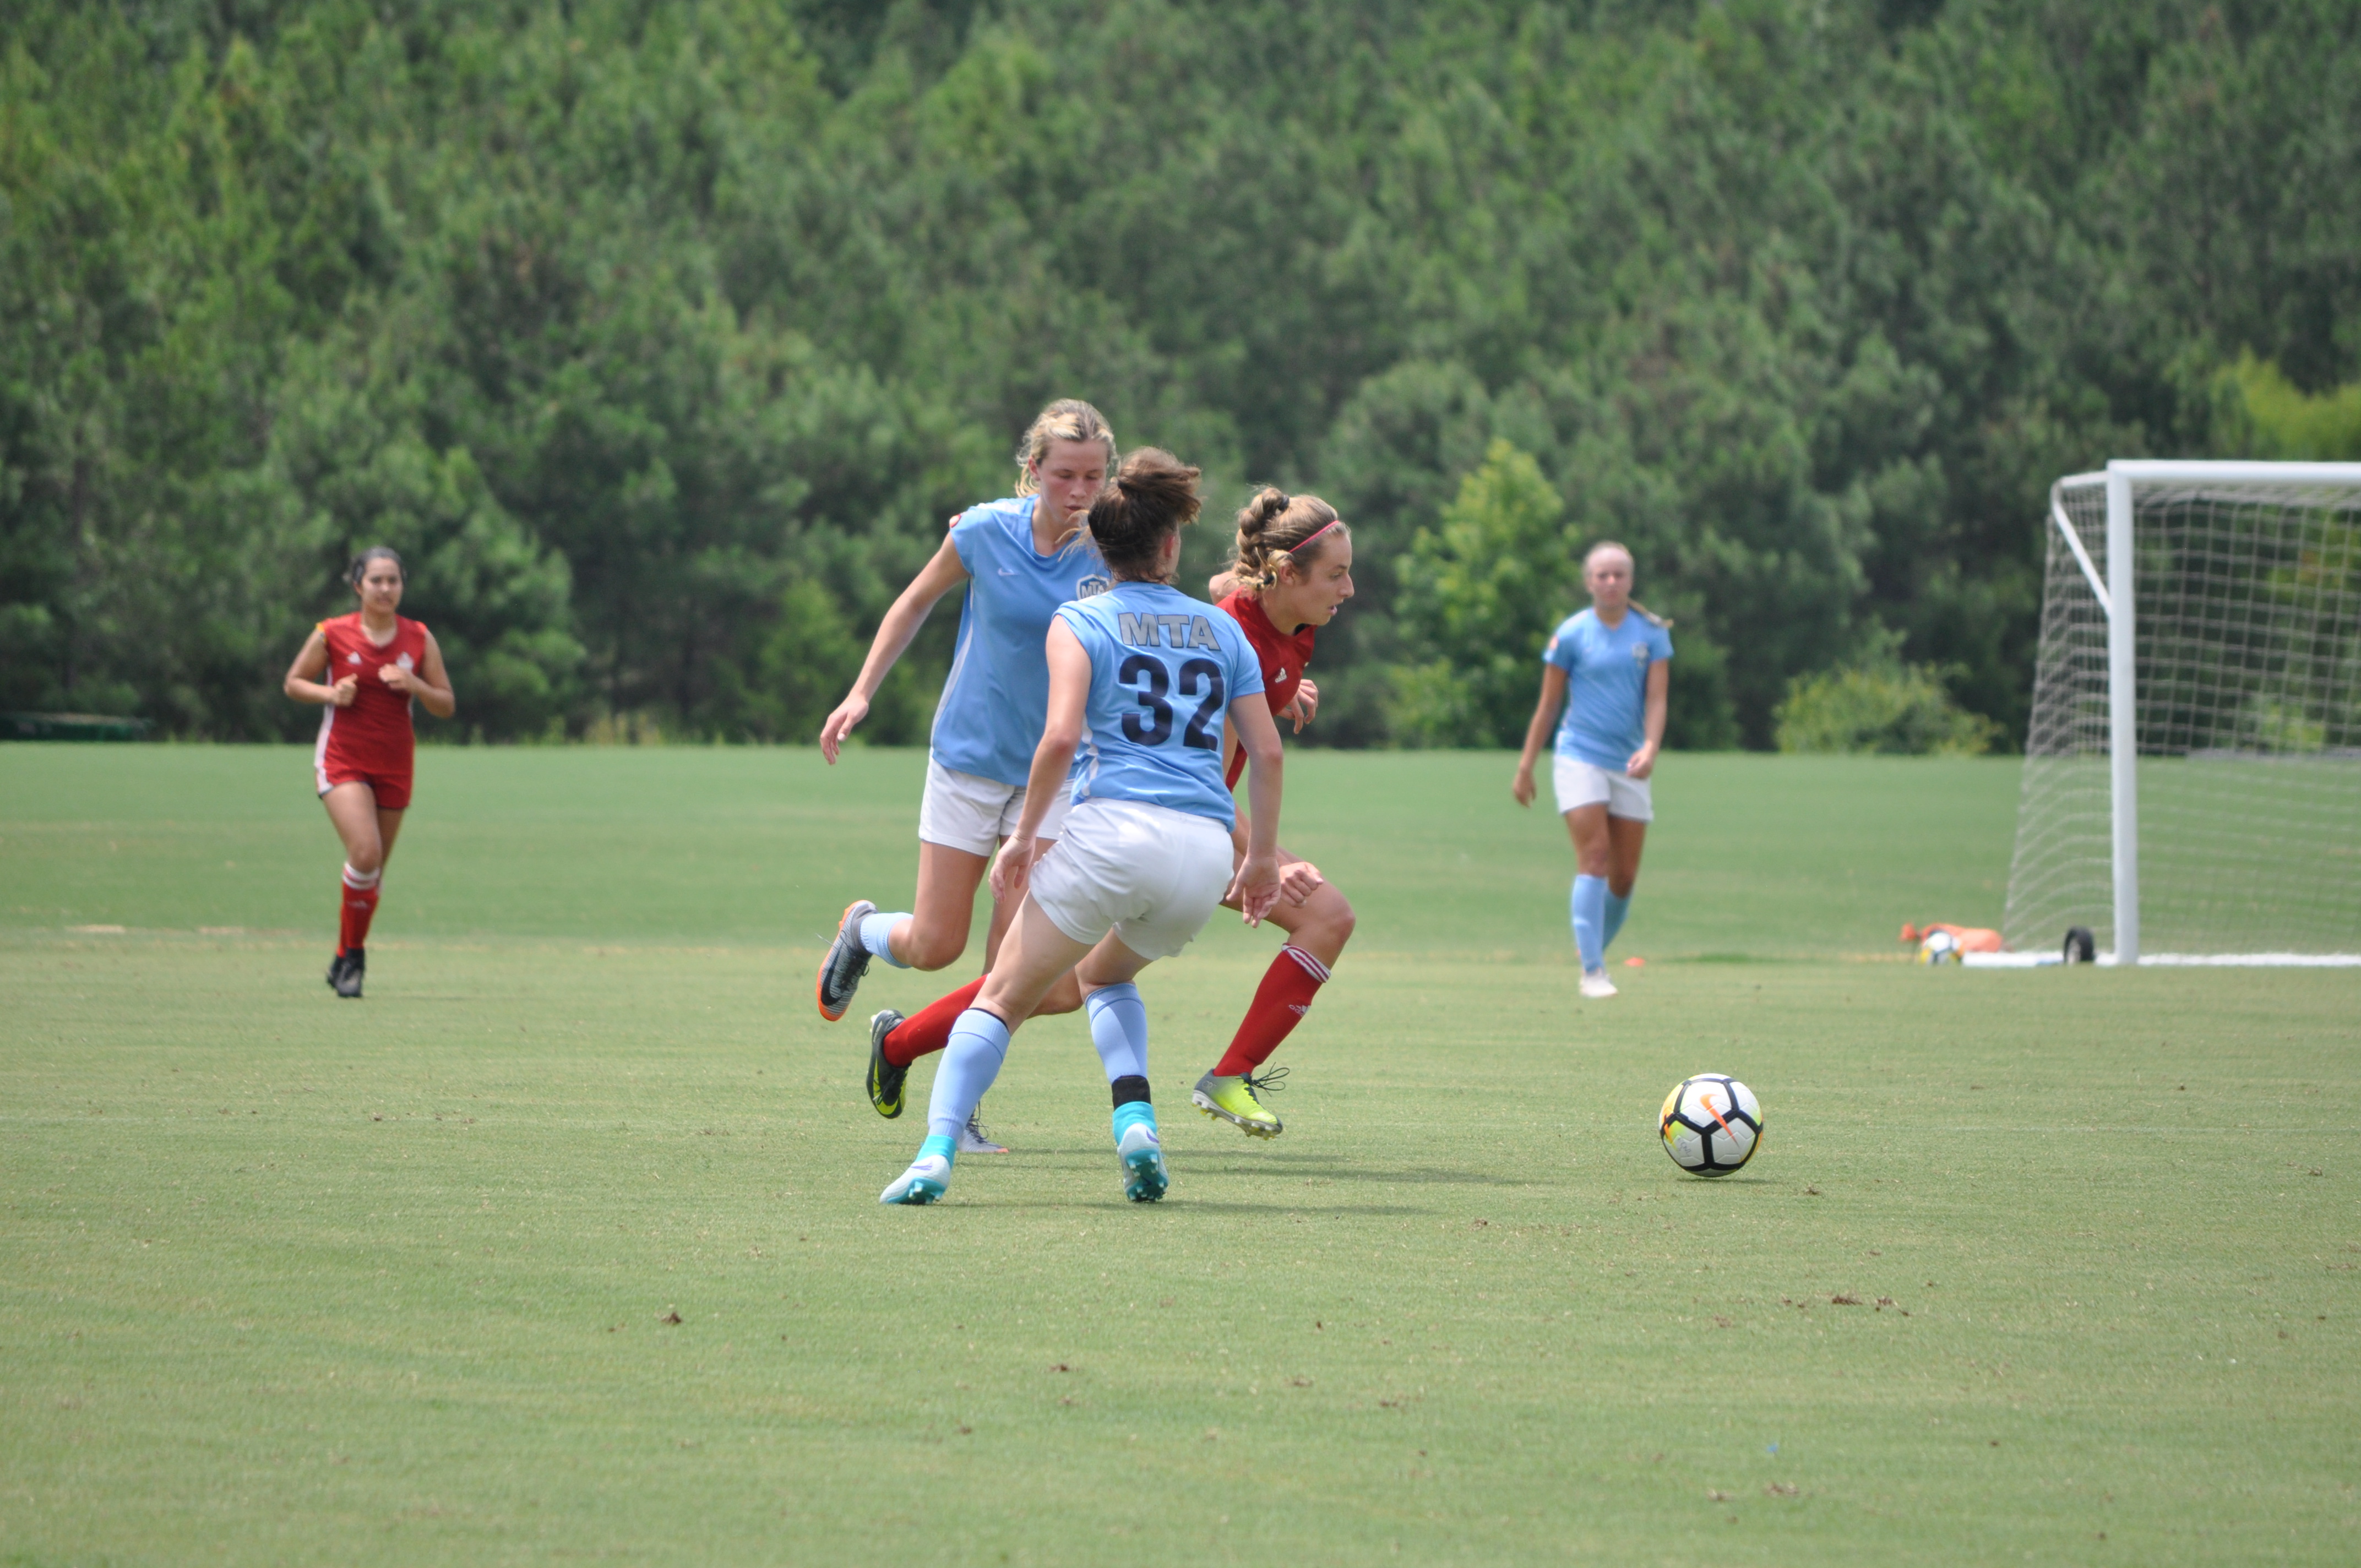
point(1150, 874)
point(962, 811)
point(1578, 782)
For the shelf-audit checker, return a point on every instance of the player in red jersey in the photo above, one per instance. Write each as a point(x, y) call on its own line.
point(1293, 572)
point(365, 670)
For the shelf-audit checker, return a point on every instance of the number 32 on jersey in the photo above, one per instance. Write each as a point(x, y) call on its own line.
point(1156, 679)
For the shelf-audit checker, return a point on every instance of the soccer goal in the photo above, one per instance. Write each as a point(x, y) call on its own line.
point(2192, 773)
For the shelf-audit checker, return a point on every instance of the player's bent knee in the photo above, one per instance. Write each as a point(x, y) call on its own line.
point(924, 950)
point(1066, 996)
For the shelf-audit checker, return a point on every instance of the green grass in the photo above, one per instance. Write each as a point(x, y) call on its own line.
point(289, 1280)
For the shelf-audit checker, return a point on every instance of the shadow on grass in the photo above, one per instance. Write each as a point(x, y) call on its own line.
point(1179, 1200)
point(1290, 1164)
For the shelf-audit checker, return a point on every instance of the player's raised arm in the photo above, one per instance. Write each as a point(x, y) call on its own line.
point(943, 572)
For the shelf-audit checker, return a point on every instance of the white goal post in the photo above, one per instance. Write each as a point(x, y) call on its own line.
point(2192, 772)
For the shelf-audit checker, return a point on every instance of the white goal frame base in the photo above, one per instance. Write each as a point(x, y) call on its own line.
point(2172, 960)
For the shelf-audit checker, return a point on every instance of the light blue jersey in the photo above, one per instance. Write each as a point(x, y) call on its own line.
point(1607, 685)
point(1164, 670)
point(997, 699)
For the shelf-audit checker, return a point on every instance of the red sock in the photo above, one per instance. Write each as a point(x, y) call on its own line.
point(360, 907)
point(929, 1029)
point(1279, 1003)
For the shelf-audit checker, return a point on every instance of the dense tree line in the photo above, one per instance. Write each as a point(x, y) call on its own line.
point(663, 338)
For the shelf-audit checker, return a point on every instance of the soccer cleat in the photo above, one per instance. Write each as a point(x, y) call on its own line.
point(1595, 986)
point(885, 1079)
point(1144, 1176)
point(347, 977)
point(928, 1178)
point(973, 1139)
point(1232, 1100)
point(336, 968)
point(847, 961)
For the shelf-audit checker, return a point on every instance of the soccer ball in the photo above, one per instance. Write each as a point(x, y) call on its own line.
point(1712, 1125)
point(1940, 948)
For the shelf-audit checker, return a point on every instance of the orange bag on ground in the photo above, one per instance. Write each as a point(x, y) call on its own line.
point(1971, 938)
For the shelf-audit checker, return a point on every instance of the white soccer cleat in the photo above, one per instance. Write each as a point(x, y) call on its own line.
point(927, 1180)
point(1596, 986)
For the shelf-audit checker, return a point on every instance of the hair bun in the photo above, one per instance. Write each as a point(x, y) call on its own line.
point(1268, 505)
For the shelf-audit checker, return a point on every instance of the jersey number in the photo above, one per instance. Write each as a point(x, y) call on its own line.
point(1152, 726)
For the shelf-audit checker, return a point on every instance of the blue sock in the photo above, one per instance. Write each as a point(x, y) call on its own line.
point(1134, 1112)
point(938, 1143)
point(1590, 920)
point(874, 931)
point(1616, 909)
point(1119, 1029)
point(979, 1045)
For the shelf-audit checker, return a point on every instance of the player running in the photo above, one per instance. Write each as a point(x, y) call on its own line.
point(1140, 679)
point(1613, 661)
point(1020, 559)
point(365, 669)
point(1294, 571)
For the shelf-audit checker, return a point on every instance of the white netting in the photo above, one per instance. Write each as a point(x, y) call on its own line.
point(2248, 619)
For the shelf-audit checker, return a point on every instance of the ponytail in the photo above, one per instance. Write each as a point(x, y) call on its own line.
point(1152, 497)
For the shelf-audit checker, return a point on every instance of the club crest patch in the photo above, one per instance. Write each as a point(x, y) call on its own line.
point(1090, 587)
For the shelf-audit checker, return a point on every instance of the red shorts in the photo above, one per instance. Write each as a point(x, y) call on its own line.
point(392, 790)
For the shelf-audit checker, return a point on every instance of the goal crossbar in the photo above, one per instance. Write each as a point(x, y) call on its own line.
point(2331, 485)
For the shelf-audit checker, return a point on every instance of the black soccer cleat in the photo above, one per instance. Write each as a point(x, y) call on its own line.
point(335, 969)
point(347, 976)
point(885, 1079)
point(847, 961)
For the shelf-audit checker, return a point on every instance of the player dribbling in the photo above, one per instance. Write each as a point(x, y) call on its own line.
point(365, 670)
point(1019, 559)
point(1292, 573)
point(1609, 667)
point(1141, 681)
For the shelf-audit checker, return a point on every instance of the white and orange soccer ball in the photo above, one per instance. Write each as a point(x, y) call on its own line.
point(1712, 1125)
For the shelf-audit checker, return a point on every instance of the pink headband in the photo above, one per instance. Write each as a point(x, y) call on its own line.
point(1316, 538)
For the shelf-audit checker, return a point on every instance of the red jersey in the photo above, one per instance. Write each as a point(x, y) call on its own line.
point(373, 736)
point(1281, 654)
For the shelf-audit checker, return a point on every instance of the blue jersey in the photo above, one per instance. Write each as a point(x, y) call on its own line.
point(1606, 684)
point(1164, 670)
point(997, 699)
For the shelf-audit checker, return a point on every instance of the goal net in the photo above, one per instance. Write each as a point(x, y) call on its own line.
point(2192, 775)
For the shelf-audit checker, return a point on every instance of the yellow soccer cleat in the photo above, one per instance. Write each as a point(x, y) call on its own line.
point(1233, 1100)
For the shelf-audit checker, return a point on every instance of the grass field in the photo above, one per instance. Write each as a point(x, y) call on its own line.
point(564, 1245)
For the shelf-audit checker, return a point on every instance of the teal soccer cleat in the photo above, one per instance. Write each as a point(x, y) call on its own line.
point(929, 1178)
point(1144, 1176)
